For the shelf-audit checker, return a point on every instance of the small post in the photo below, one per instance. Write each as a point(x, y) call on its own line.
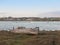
point(13, 28)
point(37, 30)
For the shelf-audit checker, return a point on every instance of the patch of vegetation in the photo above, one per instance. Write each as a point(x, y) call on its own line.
point(44, 38)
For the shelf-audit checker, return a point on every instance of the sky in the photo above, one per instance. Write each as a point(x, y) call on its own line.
point(28, 8)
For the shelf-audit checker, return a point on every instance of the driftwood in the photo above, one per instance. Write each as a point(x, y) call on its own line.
point(26, 30)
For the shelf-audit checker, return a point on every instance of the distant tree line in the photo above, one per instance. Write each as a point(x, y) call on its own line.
point(29, 19)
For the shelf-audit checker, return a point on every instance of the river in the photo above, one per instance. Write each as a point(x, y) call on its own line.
point(43, 25)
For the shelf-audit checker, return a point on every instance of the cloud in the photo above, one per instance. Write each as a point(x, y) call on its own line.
point(18, 14)
point(50, 14)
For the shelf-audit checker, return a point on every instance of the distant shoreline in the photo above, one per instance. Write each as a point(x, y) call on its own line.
point(18, 20)
point(29, 19)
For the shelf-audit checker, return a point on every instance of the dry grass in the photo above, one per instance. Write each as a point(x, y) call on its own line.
point(44, 38)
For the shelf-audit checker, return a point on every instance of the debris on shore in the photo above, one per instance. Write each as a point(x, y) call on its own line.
point(25, 30)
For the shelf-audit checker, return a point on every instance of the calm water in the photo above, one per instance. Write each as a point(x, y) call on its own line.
point(5, 25)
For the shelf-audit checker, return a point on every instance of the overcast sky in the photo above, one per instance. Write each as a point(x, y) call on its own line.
point(28, 8)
